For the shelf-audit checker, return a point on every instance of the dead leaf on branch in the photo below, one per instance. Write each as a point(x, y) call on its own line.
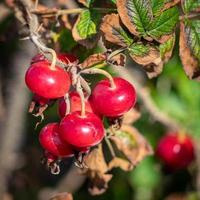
point(190, 63)
point(151, 61)
point(132, 144)
point(170, 4)
point(95, 160)
point(96, 171)
point(62, 196)
point(99, 183)
point(113, 31)
point(131, 116)
point(93, 60)
point(121, 163)
point(118, 60)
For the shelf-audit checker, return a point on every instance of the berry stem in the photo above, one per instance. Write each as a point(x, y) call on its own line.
point(81, 94)
point(110, 147)
point(68, 106)
point(85, 86)
point(100, 71)
point(44, 49)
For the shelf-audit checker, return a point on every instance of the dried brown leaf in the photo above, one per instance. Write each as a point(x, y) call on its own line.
point(99, 183)
point(118, 60)
point(131, 116)
point(119, 162)
point(62, 196)
point(95, 161)
point(112, 28)
point(132, 144)
point(152, 62)
point(93, 60)
point(190, 63)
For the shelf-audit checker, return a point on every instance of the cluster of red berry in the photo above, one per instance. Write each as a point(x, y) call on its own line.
point(81, 126)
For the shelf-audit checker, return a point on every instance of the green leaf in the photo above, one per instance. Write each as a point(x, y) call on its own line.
point(87, 25)
point(157, 5)
point(138, 49)
point(192, 30)
point(135, 14)
point(166, 46)
point(190, 5)
point(164, 23)
point(113, 1)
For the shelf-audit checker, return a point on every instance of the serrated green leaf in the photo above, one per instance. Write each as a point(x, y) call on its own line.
point(135, 14)
point(140, 12)
point(113, 1)
point(138, 49)
point(164, 23)
point(190, 5)
point(157, 5)
point(166, 46)
point(87, 25)
point(192, 30)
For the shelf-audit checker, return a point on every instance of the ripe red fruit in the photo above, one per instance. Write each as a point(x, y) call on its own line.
point(81, 131)
point(64, 57)
point(176, 150)
point(113, 102)
point(75, 103)
point(46, 82)
point(50, 140)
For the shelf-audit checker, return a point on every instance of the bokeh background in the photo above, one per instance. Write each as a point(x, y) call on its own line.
point(23, 177)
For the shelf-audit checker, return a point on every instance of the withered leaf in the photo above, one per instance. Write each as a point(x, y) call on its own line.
point(131, 116)
point(99, 183)
point(118, 60)
point(113, 31)
point(135, 15)
point(95, 161)
point(62, 196)
point(149, 57)
point(93, 60)
point(132, 144)
point(167, 47)
point(190, 63)
point(119, 162)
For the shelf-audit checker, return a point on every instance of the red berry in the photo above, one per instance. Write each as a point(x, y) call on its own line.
point(50, 140)
point(75, 103)
point(176, 150)
point(64, 57)
point(82, 131)
point(46, 82)
point(113, 102)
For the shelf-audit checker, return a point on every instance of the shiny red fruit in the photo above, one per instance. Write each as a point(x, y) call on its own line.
point(64, 57)
point(50, 140)
point(75, 103)
point(176, 150)
point(46, 82)
point(82, 131)
point(113, 102)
